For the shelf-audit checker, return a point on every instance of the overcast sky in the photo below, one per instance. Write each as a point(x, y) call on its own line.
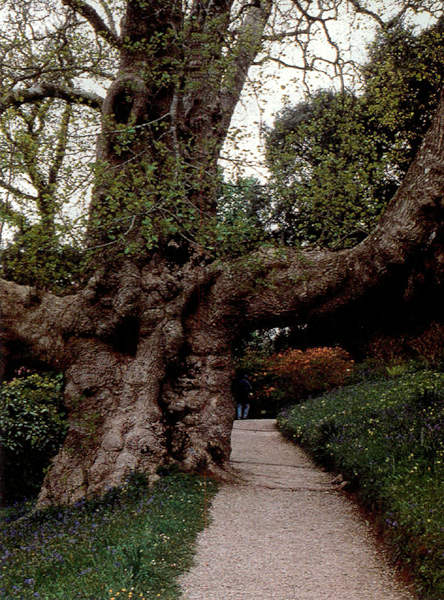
point(270, 88)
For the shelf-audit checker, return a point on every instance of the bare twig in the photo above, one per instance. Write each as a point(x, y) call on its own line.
point(95, 20)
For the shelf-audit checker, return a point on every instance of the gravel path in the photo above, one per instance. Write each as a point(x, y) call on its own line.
point(283, 532)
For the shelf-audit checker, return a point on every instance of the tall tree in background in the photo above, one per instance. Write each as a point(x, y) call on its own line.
point(337, 158)
point(146, 342)
point(331, 173)
point(45, 144)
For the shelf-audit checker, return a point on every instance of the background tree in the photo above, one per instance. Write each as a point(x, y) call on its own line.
point(243, 216)
point(331, 174)
point(146, 342)
point(403, 81)
point(47, 142)
point(337, 158)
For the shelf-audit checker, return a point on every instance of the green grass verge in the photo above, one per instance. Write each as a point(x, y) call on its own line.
point(132, 543)
point(387, 438)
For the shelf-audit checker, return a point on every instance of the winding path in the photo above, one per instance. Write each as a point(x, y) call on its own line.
point(282, 532)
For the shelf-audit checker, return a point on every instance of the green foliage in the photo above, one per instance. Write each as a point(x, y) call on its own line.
point(387, 439)
point(46, 145)
point(403, 82)
point(241, 223)
point(327, 172)
point(40, 204)
point(337, 158)
point(32, 428)
point(37, 259)
point(132, 543)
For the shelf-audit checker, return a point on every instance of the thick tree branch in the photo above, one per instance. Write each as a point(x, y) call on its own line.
point(95, 20)
point(277, 285)
point(16, 191)
point(43, 90)
point(245, 51)
point(370, 13)
point(109, 16)
point(203, 11)
point(62, 143)
point(38, 326)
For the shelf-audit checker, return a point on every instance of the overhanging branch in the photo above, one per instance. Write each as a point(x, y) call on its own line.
point(272, 286)
point(42, 90)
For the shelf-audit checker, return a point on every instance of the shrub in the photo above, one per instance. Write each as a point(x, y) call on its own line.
point(32, 428)
point(426, 347)
point(291, 376)
point(311, 372)
point(430, 345)
point(385, 349)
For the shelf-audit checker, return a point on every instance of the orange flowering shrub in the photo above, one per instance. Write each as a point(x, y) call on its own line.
point(311, 371)
point(290, 376)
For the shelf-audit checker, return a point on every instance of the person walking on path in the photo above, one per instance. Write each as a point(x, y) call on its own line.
point(282, 531)
point(244, 395)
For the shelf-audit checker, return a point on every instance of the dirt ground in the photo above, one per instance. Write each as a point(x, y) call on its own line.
point(284, 531)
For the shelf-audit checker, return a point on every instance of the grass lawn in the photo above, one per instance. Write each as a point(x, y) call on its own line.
point(387, 438)
point(132, 543)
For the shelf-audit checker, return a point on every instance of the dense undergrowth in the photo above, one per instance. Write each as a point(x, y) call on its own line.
point(132, 543)
point(33, 426)
point(387, 438)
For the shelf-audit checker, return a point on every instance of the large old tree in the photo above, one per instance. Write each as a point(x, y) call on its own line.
point(145, 343)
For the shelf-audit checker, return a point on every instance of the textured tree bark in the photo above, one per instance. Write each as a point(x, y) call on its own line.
point(148, 380)
point(156, 390)
point(147, 349)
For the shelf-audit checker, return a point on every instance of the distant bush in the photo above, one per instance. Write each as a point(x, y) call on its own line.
point(387, 438)
point(426, 347)
point(429, 346)
point(293, 375)
point(313, 371)
point(32, 428)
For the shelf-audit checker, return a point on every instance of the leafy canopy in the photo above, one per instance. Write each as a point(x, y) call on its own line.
point(337, 158)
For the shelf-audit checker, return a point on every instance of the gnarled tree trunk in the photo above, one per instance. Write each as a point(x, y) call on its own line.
point(153, 389)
